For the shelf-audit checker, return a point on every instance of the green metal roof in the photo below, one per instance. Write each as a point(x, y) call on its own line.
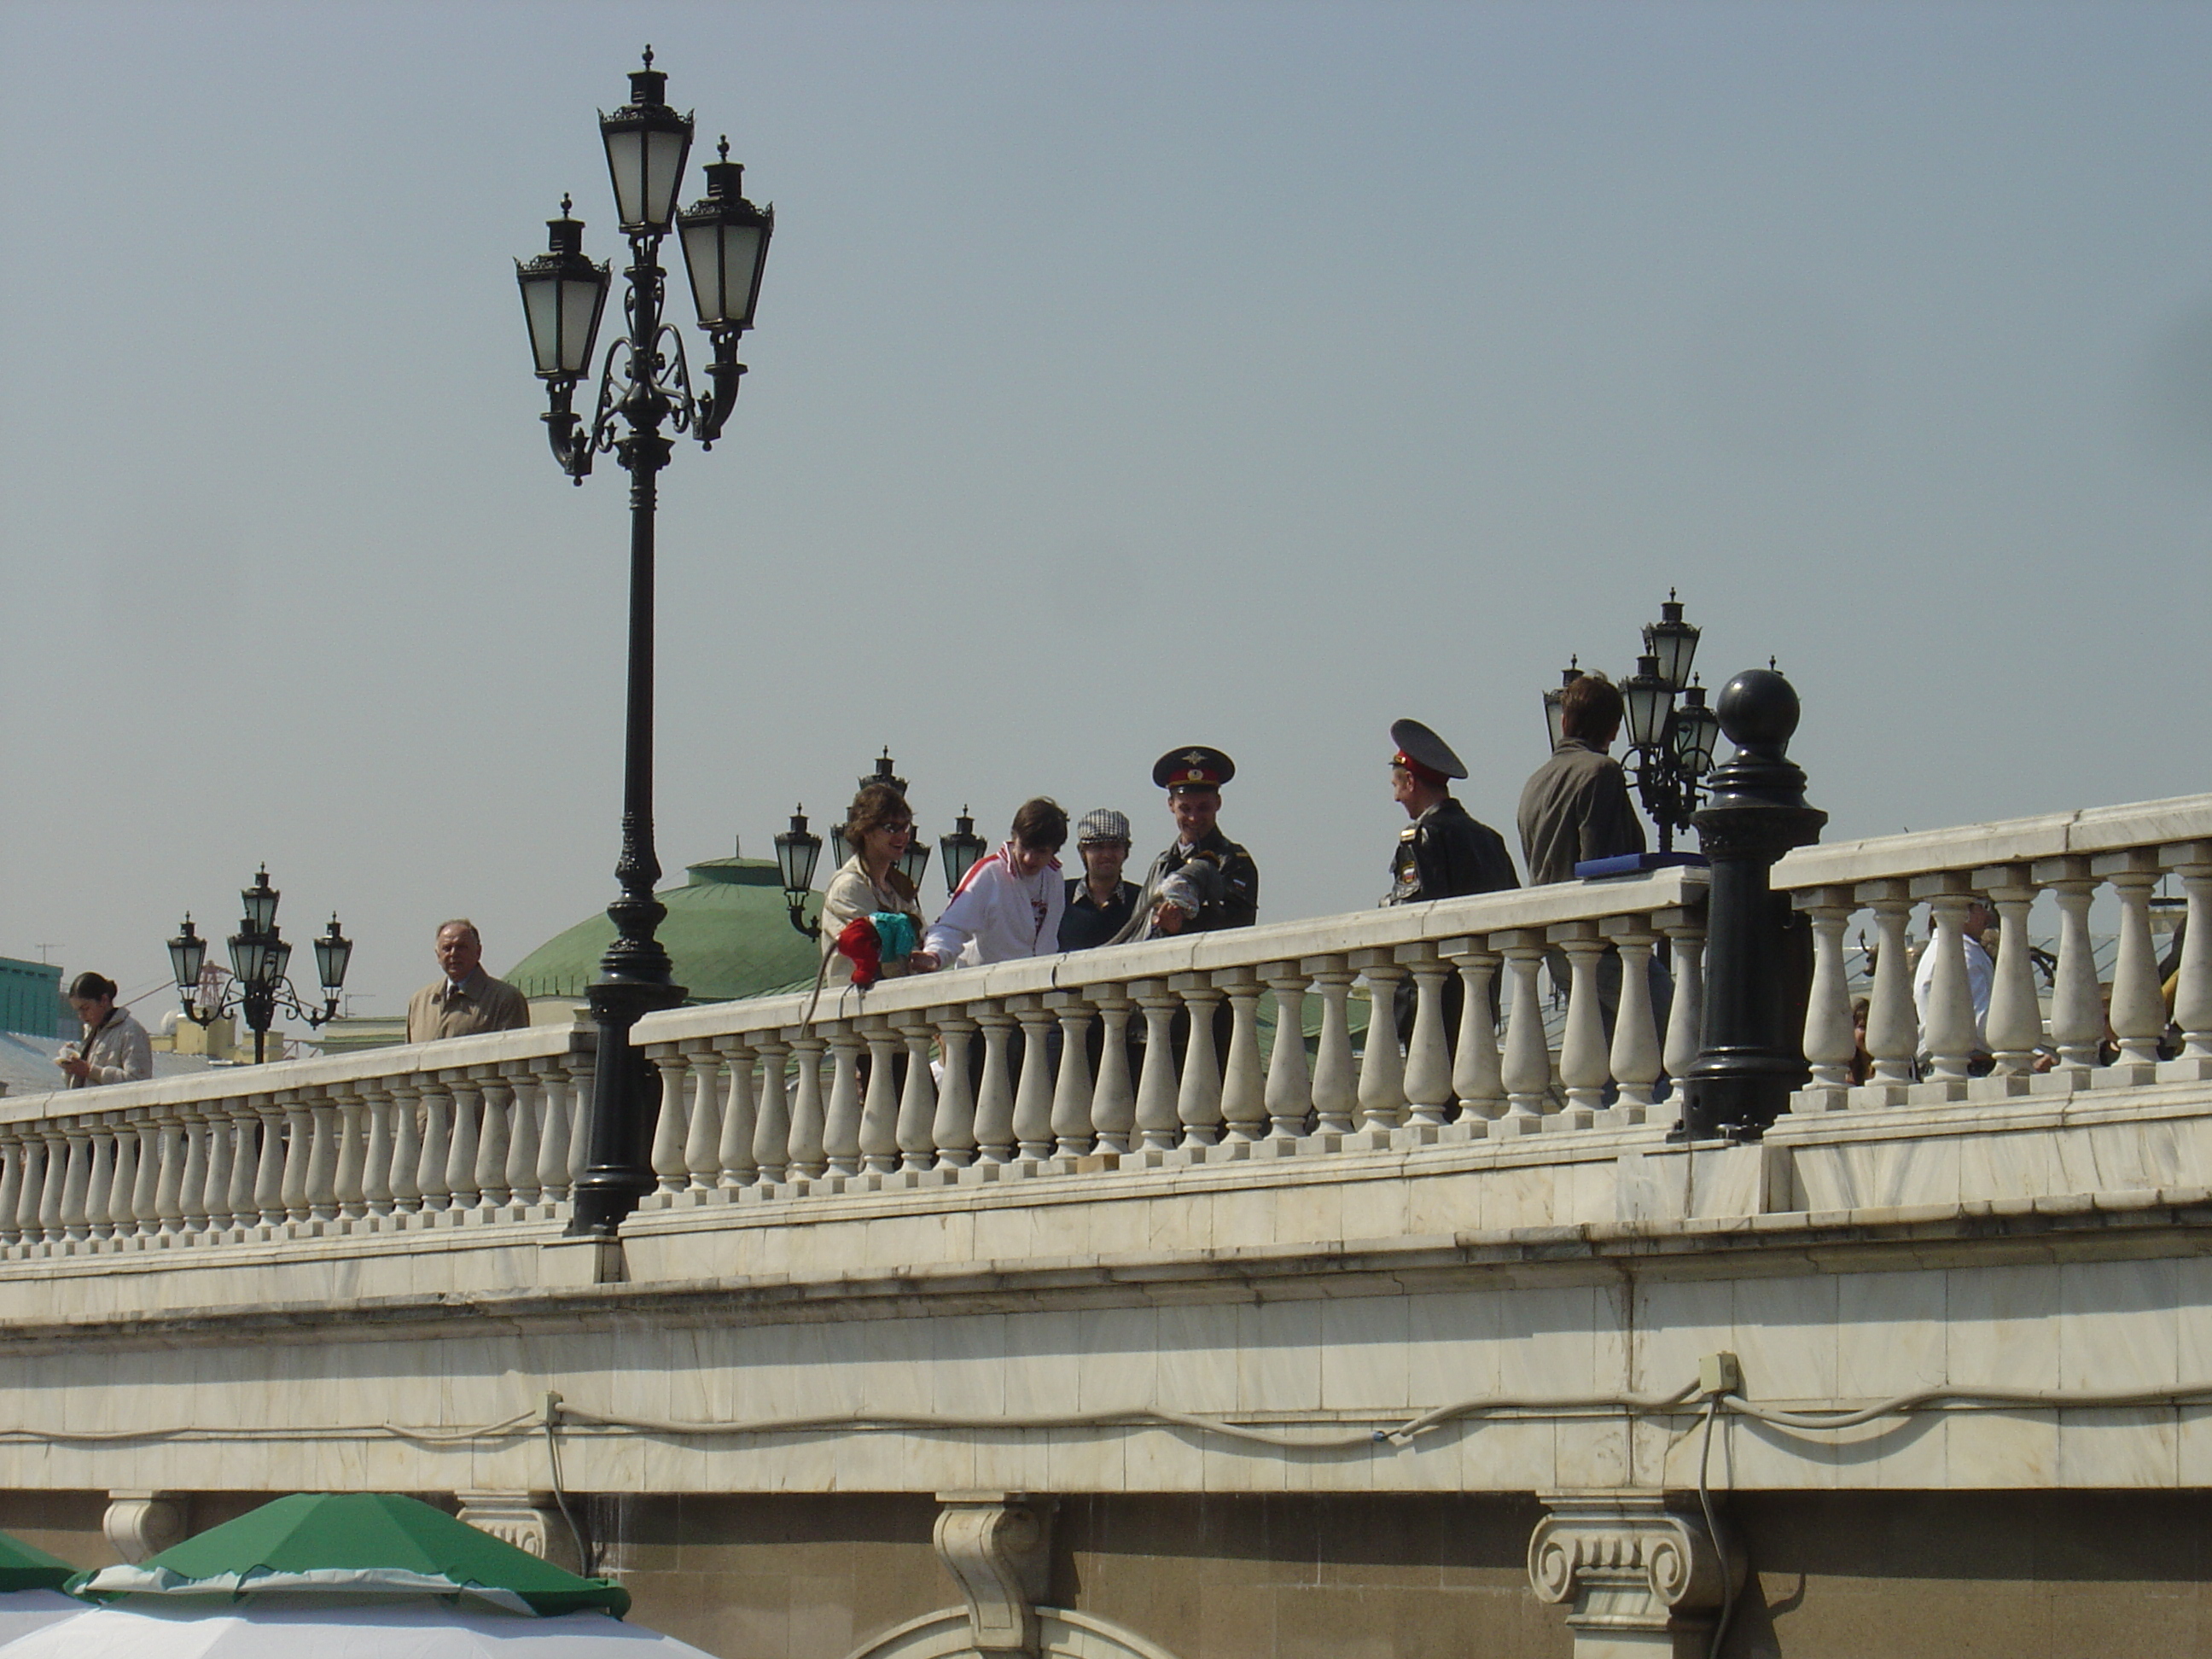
point(727, 930)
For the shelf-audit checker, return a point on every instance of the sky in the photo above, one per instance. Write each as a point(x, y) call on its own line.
point(1126, 376)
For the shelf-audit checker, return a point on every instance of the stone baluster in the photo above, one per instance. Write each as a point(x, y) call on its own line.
point(772, 1117)
point(76, 1180)
point(11, 1185)
point(953, 1128)
point(2077, 1006)
point(1243, 1084)
point(1685, 929)
point(1335, 1080)
point(1428, 1075)
point(349, 1179)
point(1381, 1061)
point(917, 1105)
point(496, 1142)
point(739, 1167)
point(146, 1187)
point(298, 1155)
point(557, 1090)
point(808, 1159)
point(100, 1198)
point(1113, 1091)
point(1033, 1084)
point(1288, 1093)
point(377, 1197)
point(1634, 1059)
point(1950, 1036)
point(268, 1201)
point(583, 1082)
point(1526, 1066)
point(525, 1122)
point(1071, 1094)
point(464, 1191)
point(234, 1170)
point(322, 1157)
point(702, 1143)
point(1474, 1080)
point(879, 1105)
point(1583, 1068)
point(1892, 1036)
point(165, 1203)
point(184, 1198)
point(43, 1208)
point(409, 1117)
point(671, 1175)
point(2015, 1025)
point(2139, 1017)
point(841, 1129)
point(2192, 996)
point(1830, 1044)
point(994, 1090)
point(1157, 1125)
point(437, 1145)
point(1198, 1099)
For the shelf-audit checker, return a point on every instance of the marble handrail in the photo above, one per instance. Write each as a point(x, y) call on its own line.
point(472, 1130)
point(1139, 1051)
point(2093, 1033)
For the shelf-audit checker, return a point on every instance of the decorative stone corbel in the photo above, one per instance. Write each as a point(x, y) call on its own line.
point(1640, 1571)
point(997, 1545)
point(140, 1524)
point(530, 1520)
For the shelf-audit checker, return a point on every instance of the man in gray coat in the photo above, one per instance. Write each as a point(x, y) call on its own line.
point(1574, 806)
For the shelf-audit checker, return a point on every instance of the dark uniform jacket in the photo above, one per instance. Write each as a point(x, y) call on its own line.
point(1446, 853)
point(1086, 923)
point(1575, 807)
point(1231, 888)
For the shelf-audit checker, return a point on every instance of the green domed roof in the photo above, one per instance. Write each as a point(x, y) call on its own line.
point(727, 930)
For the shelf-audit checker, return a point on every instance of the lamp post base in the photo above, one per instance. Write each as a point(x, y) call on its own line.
point(625, 1106)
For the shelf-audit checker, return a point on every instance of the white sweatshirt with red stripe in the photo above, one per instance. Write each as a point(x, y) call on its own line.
point(1000, 915)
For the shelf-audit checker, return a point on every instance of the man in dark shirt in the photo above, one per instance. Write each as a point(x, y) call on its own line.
point(1443, 852)
point(1204, 882)
point(1099, 902)
point(1574, 806)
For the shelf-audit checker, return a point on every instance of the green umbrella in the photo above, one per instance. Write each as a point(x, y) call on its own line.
point(356, 1543)
point(25, 1566)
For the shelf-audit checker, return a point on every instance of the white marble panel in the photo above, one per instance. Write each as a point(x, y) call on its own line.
point(2119, 1325)
point(1363, 1352)
point(1762, 1457)
point(1442, 1206)
point(1893, 1333)
point(1198, 1356)
point(1082, 1459)
point(1123, 1227)
point(2002, 1327)
point(1121, 1359)
point(1375, 1209)
point(1243, 1218)
point(1163, 1460)
point(1309, 1212)
point(1786, 1336)
point(1547, 1342)
point(1187, 1224)
point(1994, 1166)
point(2009, 1448)
point(1892, 1453)
point(1044, 1362)
point(1278, 1356)
point(1677, 1322)
point(1508, 1454)
point(2129, 1448)
point(1451, 1348)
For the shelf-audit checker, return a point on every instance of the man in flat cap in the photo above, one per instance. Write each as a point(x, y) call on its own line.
point(1443, 852)
point(1100, 901)
point(1204, 882)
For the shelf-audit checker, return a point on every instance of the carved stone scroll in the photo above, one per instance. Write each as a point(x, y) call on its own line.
point(997, 1547)
point(140, 1524)
point(530, 1520)
point(1638, 1569)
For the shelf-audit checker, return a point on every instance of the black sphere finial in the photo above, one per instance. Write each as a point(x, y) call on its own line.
point(648, 55)
point(725, 147)
point(1758, 708)
point(565, 204)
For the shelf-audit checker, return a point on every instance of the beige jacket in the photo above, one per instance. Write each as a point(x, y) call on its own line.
point(850, 893)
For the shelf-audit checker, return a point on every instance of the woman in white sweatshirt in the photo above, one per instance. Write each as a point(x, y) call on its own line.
point(1009, 903)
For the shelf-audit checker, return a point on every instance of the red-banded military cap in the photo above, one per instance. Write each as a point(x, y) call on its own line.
point(1195, 767)
point(1425, 754)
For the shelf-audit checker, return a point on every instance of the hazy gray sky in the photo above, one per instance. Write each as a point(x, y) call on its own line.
point(1125, 375)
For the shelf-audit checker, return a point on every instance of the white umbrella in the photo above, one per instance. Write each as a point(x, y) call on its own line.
point(27, 1610)
point(325, 1628)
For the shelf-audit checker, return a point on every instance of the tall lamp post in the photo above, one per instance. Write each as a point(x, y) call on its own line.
point(1671, 732)
point(645, 383)
point(259, 958)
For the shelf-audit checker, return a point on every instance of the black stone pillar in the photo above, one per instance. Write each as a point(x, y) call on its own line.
point(1751, 1052)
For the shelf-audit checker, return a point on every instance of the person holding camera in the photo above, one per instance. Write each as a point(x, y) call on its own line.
point(114, 1049)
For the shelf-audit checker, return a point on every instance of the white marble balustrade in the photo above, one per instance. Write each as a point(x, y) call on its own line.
point(1876, 885)
point(474, 1131)
point(1152, 1054)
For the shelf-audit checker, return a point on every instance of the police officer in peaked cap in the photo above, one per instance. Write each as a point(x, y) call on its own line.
point(1203, 881)
point(1443, 852)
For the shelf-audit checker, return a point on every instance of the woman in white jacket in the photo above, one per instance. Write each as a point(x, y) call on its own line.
point(1009, 903)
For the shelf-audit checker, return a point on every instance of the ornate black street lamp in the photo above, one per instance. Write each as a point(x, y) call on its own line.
point(259, 958)
point(645, 383)
point(799, 852)
point(961, 850)
point(1670, 730)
